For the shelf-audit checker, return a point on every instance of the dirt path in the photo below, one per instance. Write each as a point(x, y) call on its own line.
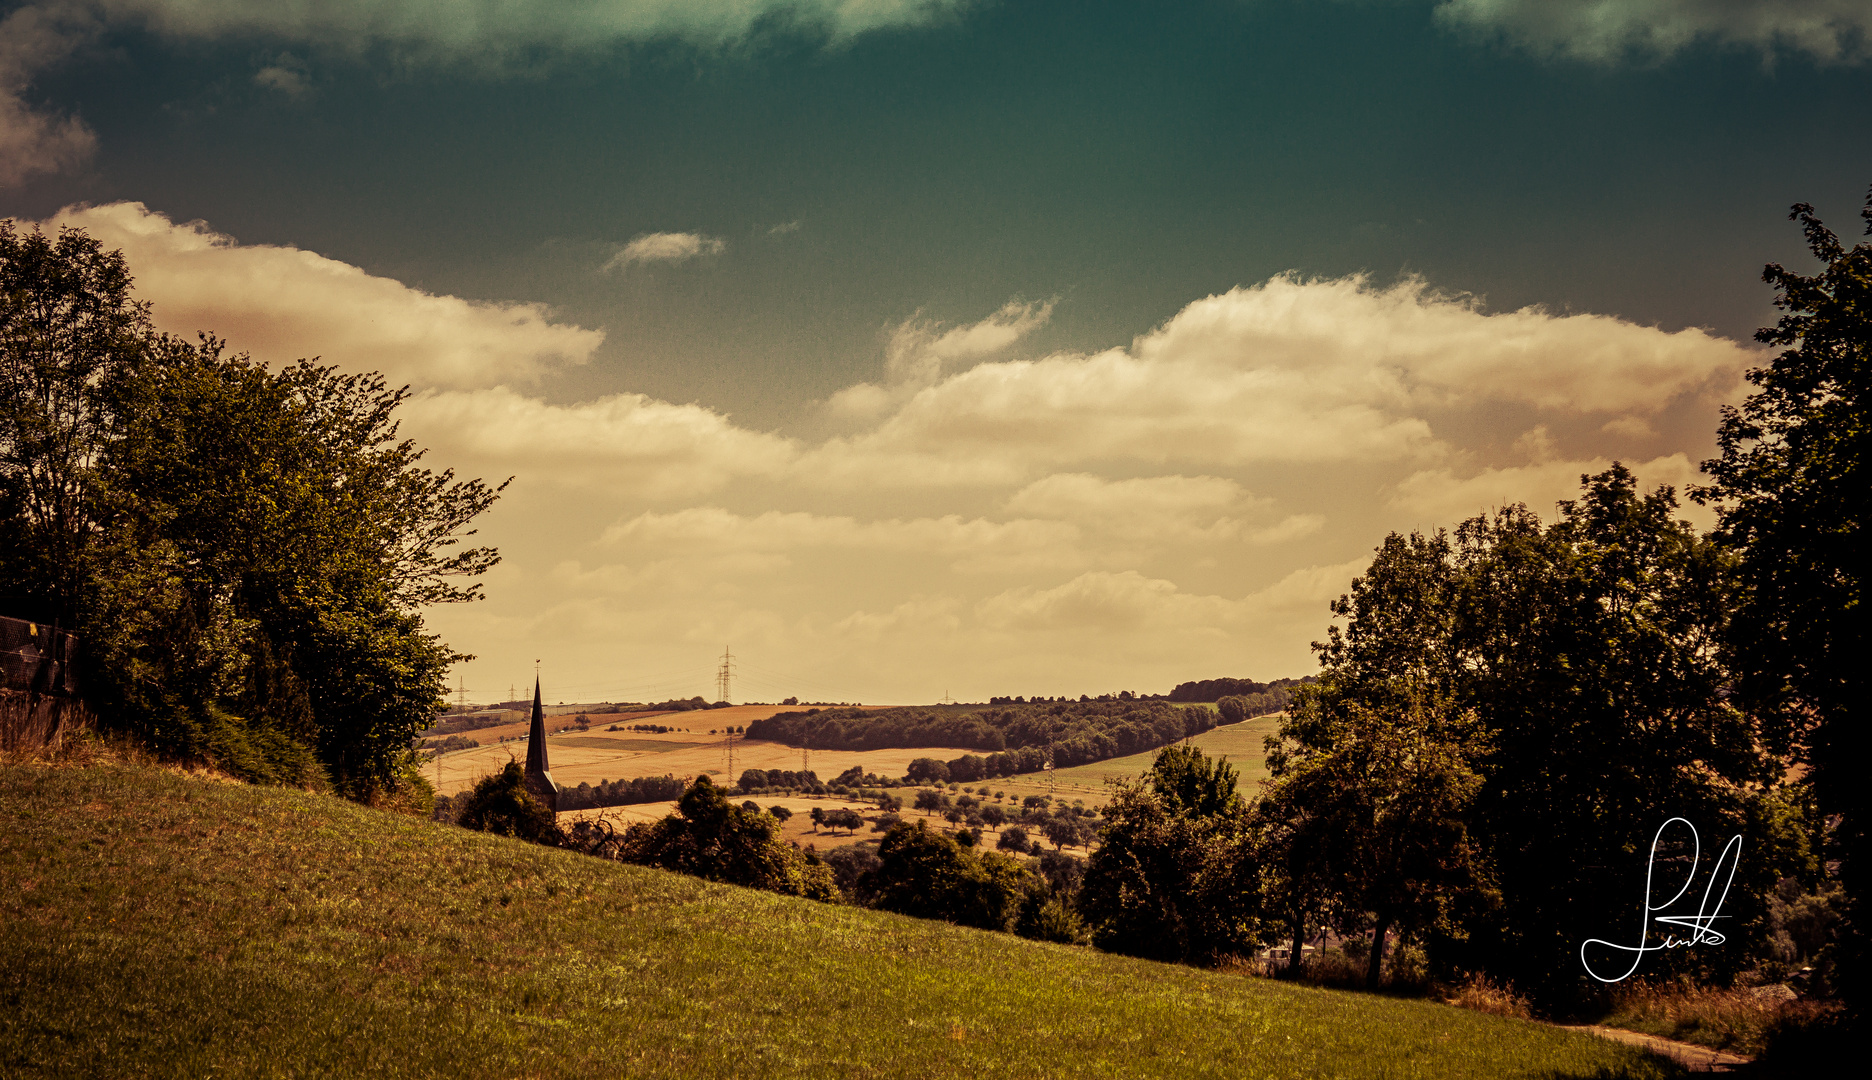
point(1692, 1057)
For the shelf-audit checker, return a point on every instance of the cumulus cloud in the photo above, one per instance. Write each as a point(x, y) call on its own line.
point(1599, 30)
point(918, 349)
point(1129, 601)
point(975, 544)
point(626, 444)
point(1438, 497)
point(664, 247)
point(1156, 510)
point(282, 303)
point(1291, 370)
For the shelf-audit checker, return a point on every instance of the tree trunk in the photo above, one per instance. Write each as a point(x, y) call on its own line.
point(1377, 952)
point(1293, 961)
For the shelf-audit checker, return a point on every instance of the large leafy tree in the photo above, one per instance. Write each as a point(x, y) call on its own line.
point(244, 550)
point(1541, 697)
point(1177, 875)
point(1792, 486)
point(1591, 650)
point(1373, 814)
point(67, 323)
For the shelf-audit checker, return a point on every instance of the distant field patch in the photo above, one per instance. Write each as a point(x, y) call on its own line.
point(636, 746)
point(1240, 743)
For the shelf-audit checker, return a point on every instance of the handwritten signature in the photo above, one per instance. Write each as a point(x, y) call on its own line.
point(1701, 925)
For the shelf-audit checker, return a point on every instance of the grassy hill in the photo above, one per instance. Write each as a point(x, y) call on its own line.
point(172, 926)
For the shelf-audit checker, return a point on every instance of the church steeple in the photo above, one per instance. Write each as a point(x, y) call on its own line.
point(539, 779)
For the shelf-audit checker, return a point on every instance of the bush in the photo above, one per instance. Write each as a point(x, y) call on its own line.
point(849, 865)
point(501, 804)
point(709, 837)
point(1045, 916)
point(928, 875)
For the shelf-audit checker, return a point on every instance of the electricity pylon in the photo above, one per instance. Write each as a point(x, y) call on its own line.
point(724, 675)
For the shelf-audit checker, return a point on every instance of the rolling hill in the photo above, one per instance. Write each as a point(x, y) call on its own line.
point(166, 925)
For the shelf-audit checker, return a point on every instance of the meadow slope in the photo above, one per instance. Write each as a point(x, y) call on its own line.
point(171, 926)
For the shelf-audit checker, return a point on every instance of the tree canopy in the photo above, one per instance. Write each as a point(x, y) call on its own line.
point(1792, 485)
point(243, 550)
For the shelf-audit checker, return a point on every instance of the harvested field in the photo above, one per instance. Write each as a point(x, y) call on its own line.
point(598, 755)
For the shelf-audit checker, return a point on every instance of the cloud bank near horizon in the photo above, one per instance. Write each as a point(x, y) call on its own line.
point(1136, 515)
point(1829, 31)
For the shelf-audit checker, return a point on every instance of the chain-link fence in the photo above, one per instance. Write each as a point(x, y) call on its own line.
point(39, 687)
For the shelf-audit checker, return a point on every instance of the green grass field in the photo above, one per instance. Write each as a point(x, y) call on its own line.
point(168, 926)
point(1241, 743)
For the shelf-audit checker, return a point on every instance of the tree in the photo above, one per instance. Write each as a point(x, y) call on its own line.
point(67, 327)
point(780, 813)
point(1392, 792)
point(927, 769)
point(1791, 486)
point(928, 801)
point(818, 818)
point(849, 820)
point(1061, 832)
point(1013, 838)
point(710, 837)
point(1171, 881)
point(499, 803)
point(926, 874)
point(995, 816)
point(245, 551)
point(1573, 671)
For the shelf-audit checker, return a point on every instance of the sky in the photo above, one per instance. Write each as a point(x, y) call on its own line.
point(916, 349)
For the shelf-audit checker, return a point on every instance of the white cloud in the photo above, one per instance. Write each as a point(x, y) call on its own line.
point(1084, 497)
point(665, 247)
point(975, 544)
point(282, 303)
point(1602, 30)
point(287, 74)
point(1439, 498)
point(1129, 601)
point(1290, 371)
point(1411, 343)
point(629, 445)
point(784, 228)
point(918, 350)
point(1148, 513)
